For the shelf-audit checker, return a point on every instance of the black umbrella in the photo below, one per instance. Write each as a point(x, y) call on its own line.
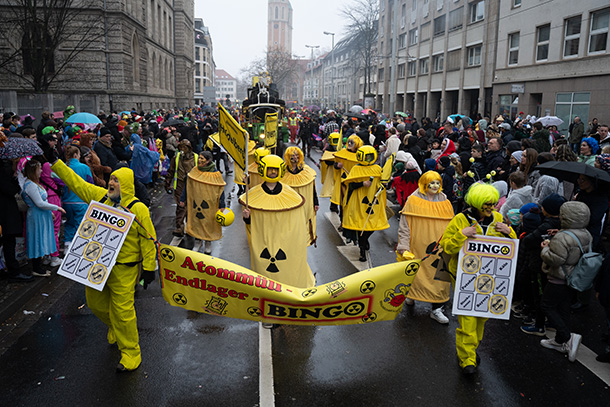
point(172, 122)
point(19, 147)
point(571, 170)
point(208, 109)
point(356, 115)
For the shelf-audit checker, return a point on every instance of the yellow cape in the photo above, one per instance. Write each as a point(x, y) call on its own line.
point(278, 242)
point(203, 194)
point(427, 222)
point(364, 211)
point(348, 159)
point(304, 184)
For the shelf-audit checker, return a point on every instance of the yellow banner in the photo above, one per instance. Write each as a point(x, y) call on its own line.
point(232, 137)
point(270, 130)
point(202, 283)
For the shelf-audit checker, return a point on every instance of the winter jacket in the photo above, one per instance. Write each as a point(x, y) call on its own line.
point(10, 218)
point(495, 160)
point(541, 141)
point(562, 253)
point(106, 155)
point(516, 199)
point(391, 145)
point(576, 132)
point(598, 206)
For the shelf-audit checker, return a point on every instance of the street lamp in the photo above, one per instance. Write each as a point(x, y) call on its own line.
point(332, 64)
point(311, 84)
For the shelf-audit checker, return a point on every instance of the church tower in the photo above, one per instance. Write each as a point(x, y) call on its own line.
point(279, 25)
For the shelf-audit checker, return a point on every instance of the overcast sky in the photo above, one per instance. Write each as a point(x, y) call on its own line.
point(239, 28)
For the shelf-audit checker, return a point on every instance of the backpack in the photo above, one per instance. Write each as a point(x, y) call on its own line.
point(585, 271)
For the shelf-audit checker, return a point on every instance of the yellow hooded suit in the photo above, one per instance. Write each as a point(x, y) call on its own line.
point(277, 236)
point(362, 204)
point(114, 305)
point(203, 194)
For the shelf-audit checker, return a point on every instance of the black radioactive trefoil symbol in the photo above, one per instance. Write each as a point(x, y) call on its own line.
point(366, 201)
point(280, 255)
point(200, 208)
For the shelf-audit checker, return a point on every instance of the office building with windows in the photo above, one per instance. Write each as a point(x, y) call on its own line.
point(204, 65)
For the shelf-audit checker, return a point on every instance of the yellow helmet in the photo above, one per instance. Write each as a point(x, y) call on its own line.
point(366, 155)
point(357, 142)
point(225, 217)
point(268, 162)
point(333, 139)
point(260, 153)
point(290, 151)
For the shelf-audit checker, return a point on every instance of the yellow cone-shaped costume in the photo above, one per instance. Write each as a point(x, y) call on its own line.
point(362, 204)
point(303, 183)
point(348, 159)
point(253, 176)
point(278, 245)
point(203, 194)
point(427, 221)
point(238, 173)
point(327, 170)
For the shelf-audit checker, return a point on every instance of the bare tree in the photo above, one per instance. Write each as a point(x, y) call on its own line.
point(362, 18)
point(280, 65)
point(44, 37)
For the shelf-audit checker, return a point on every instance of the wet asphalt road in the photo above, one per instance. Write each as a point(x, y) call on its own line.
point(59, 356)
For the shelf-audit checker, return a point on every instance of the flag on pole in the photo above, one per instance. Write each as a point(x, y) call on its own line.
point(270, 130)
point(232, 137)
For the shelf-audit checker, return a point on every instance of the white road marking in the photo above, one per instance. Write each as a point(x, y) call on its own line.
point(349, 251)
point(265, 377)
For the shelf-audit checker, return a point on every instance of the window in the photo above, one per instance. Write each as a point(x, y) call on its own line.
point(401, 71)
point(572, 36)
point(455, 18)
point(474, 55)
point(439, 4)
point(454, 60)
point(402, 40)
point(516, 3)
point(413, 36)
point(423, 66)
point(513, 48)
point(380, 74)
point(425, 32)
point(568, 105)
point(438, 61)
point(543, 33)
point(411, 68)
point(598, 37)
point(477, 11)
point(439, 25)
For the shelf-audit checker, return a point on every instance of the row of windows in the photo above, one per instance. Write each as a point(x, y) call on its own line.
point(452, 62)
point(572, 27)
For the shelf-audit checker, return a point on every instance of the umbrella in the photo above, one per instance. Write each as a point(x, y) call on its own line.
point(356, 115)
point(550, 121)
point(403, 114)
point(313, 108)
point(356, 109)
point(570, 170)
point(367, 111)
point(19, 147)
point(83, 117)
point(172, 122)
point(208, 109)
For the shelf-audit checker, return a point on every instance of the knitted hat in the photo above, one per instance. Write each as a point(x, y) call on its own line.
point(517, 155)
point(514, 217)
point(552, 203)
point(527, 207)
point(531, 221)
point(444, 161)
point(430, 164)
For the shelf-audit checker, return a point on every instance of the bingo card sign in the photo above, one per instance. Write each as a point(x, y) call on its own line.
point(486, 277)
point(96, 245)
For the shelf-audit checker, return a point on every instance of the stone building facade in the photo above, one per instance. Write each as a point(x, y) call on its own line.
point(204, 65)
point(142, 60)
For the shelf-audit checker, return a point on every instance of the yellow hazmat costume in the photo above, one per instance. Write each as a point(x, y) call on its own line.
point(277, 236)
point(470, 332)
point(363, 204)
point(303, 183)
point(423, 221)
point(203, 194)
point(327, 169)
point(114, 305)
point(347, 158)
point(238, 176)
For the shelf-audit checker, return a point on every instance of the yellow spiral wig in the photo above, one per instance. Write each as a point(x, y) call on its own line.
point(426, 178)
point(480, 194)
point(288, 154)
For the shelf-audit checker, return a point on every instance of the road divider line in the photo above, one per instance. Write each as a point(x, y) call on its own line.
point(265, 385)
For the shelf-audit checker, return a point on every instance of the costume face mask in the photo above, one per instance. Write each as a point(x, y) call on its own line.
point(488, 208)
point(434, 187)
